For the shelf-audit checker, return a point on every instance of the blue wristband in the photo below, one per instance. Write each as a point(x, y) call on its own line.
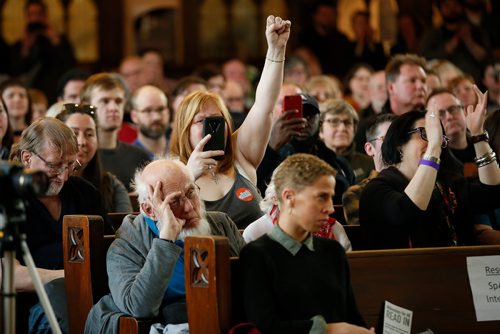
point(430, 163)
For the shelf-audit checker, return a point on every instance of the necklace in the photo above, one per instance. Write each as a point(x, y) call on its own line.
point(215, 177)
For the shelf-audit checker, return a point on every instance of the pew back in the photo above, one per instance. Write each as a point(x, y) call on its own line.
point(433, 283)
point(86, 280)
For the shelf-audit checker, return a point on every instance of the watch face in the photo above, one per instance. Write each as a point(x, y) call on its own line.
point(482, 137)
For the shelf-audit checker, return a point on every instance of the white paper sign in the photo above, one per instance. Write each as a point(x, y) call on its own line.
point(484, 278)
point(397, 320)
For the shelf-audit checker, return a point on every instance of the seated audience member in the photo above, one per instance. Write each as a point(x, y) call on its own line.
point(274, 266)
point(446, 71)
point(332, 229)
point(145, 263)
point(296, 71)
point(301, 136)
point(365, 48)
point(406, 84)
point(229, 185)
point(39, 103)
point(50, 146)
point(487, 226)
point(236, 70)
point(212, 74)
point(462, 88)
point(82, 120)
point(131, 69)
point(452, 114)
point(338, 123)
point(151, 114)
point(323, 87)
point(70, 85)
point(15, 95)
point(491, 81)
point(184, 87)
point(420, 202)
point(107, 93)
point(234, 98)
point(356, 86)
point(5, 132)
point(433, 80)
point(154, 70)
point(375, 134)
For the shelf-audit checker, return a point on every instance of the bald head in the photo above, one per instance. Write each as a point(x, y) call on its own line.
point(150, 112)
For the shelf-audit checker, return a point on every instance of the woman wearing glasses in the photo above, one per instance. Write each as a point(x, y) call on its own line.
point(82, 120)
point(422, 199)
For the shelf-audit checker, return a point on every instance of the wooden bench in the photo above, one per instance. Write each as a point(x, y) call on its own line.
point(86, 279)
point(431, 282)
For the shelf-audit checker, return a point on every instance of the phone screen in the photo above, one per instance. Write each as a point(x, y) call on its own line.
point(216, 127)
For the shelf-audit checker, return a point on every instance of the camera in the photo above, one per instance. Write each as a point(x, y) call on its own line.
point(15, 181)
point(36, 27)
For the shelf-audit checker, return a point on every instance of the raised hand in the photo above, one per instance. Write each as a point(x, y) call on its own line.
point(168, 225)
point(199, 161)
point(277, 32)
point(433, 127)
point(285, 129)
point(475, 115)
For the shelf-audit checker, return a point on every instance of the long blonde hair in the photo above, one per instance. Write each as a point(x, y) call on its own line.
point(192, 104)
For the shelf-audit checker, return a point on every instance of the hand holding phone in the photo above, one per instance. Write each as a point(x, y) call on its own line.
point(215, 126)
point(293, 102)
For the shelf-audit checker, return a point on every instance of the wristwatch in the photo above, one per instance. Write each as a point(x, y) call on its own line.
point(482, 137)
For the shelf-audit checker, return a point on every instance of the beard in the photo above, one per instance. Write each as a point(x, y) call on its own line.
point(203, 227)
point(53, 189)
point(153, 133)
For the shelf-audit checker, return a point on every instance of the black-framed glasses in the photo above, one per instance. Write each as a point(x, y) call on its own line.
point(452, 110)
point(423, 135)
point(57, 169)
point(72, 108)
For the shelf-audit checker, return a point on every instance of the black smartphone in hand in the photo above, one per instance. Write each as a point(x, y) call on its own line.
point(216, 127)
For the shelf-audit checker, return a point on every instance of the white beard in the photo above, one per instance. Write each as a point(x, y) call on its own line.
point(53, 189)
point(203, 227)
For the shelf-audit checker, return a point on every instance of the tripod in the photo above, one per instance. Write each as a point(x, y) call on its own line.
point(11, 217)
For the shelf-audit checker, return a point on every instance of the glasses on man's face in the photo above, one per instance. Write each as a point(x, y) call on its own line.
point(72, 108)
point(59, 168)
point(150, 111)
point(423, 135)
point(452, 110)
point(190, 195)
point(335, 122)
point(369, 140)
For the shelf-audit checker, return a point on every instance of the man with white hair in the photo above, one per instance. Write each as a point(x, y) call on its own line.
point(145, 263)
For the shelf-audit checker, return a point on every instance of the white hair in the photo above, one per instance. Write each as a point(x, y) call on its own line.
point(270, 197)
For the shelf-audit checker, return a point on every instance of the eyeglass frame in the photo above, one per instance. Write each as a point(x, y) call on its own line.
point(423, 135)
point(52, 169)
point(452, 110)
point(195, 190)
point(335, 122)
point(149, 111)
point(73, 108)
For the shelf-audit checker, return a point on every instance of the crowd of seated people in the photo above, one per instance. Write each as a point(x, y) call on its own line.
point(413, 164)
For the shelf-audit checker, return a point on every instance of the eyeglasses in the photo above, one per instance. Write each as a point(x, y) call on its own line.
point(423, 135)
point(57, 169)
point(72, 108)
point(157, 110)
point(335, 122)
point(381, 138)
point(179, 201)
point(452, 110)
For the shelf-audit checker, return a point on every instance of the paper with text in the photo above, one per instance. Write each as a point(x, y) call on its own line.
point(397, 320)
point(484, 278)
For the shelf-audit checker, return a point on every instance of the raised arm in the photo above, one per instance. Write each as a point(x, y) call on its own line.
point(488, 170)
point(253, 135)
point(420, 188)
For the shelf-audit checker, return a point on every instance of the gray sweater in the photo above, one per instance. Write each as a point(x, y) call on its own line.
point(140, 267)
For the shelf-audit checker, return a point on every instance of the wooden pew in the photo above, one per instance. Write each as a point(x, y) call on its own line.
point(86, 279)
point(431, 282)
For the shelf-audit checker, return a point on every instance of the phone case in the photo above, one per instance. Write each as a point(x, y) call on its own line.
point(216, 127)
point(293, 102)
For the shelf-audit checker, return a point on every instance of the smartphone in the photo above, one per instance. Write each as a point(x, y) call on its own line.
point(293, 102)
point(216, 127)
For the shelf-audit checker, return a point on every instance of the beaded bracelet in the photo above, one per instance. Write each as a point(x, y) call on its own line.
point(274, 60)
point(430, 163)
